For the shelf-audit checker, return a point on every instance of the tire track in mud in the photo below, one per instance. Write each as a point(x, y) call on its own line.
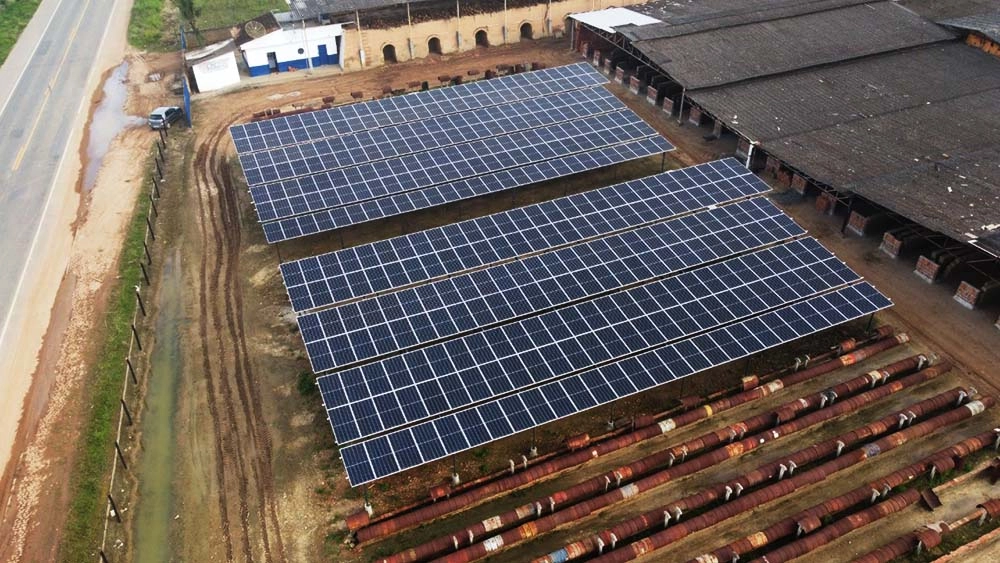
point(247, 383)
point(240, 432)
point(220, 469)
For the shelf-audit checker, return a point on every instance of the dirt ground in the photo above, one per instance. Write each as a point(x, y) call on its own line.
point(258, 477)
point(257, 458)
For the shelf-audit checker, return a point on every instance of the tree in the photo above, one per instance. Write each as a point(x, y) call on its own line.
point(189, 13)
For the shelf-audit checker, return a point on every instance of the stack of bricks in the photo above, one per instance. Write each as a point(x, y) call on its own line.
point(596, 59)
point(784, 178)
point(652, 95)
point(742, 148)
point(800, 184)
point(826, 203)
point(584, 46)
point(772, 165)
point(927, 269)
point(891, 245)
point(668, 105)
point(634, 84)
point(694, 118)
point(970, 295)
point(620, 75)
point(608, 67)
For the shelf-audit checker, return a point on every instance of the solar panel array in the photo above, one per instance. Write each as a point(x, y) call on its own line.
point(417, 136)
point(434, 380)
point(343, 120)
point(372, 210)
point(456, 336)
point(453, 433)
point(334, 168)
point(395, 321)
point(323, 280)
point(383, 178)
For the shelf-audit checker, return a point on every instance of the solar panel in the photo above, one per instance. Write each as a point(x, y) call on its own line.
point(318, 281)
point(430, 381)
point(373, 180)
point(382, 325)
point(418, 136)
point(342, 120)
point(435, 439)
point(399, 204)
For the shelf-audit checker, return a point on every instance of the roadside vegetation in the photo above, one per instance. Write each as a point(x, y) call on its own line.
point(154, 23)
point(90, 475)
point(14, 16)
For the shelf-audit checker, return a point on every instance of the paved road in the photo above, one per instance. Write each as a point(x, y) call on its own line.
point(36, 121)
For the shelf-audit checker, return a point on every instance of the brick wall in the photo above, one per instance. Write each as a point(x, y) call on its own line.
point(784, 178)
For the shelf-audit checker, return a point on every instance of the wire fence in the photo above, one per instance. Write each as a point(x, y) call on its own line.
point(135, 360)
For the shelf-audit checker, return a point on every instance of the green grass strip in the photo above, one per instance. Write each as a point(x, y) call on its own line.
point(104, 383)
point(14, 16)
point(145, 28)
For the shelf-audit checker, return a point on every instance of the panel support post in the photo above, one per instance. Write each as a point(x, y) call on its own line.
point(149, 224)
point(121, 456)
point(145, 248)
point(114, 508)
point(131, 370)
point(135, 334)
point(138, 298)
point(145, 274)
point(128, 415)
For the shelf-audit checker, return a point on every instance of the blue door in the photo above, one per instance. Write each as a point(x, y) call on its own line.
point(322, 59)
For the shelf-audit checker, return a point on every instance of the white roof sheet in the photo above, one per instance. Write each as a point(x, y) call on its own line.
point(610, 18)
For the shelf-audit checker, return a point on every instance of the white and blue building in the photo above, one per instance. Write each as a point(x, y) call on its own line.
point(294, 47)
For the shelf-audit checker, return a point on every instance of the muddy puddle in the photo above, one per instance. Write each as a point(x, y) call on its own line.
point(155, 510)
point(108, 121)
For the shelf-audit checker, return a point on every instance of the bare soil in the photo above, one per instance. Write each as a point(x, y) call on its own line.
point(259, 467)
point(259, 477)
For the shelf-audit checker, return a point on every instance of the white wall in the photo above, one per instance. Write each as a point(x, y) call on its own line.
point(217, 72)
point(285, 44)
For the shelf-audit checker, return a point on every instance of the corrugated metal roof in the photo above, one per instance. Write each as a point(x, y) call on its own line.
point(937, 164)
point(731, 54)
point(987, 24)
point(305, 9)
point(693, 17)
point(940, 9)
point(789, 104)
